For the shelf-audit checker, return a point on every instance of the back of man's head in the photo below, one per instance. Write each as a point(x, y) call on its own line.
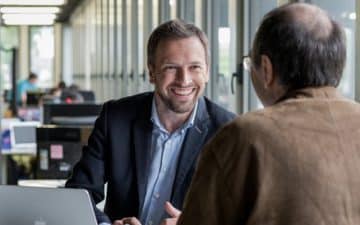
point(306, 47)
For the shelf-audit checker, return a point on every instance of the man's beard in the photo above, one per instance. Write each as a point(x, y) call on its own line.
point(178, 107)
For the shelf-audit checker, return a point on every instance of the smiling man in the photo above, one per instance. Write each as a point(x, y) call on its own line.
point(145, 146)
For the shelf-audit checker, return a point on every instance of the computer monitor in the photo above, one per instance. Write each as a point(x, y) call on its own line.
point(80, 114)
point(33, 97)
point(23, 134)
point(89, 96)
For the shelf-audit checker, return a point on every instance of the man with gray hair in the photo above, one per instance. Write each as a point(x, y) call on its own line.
point(145, 146)
point(296, 161)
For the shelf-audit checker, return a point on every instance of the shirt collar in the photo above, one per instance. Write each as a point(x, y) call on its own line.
point(156, 120)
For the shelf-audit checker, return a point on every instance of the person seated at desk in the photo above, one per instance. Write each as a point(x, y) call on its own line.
point(53, 96)
point(55, 93)
point(71, 94)
point(145, 147)
point(297, 161)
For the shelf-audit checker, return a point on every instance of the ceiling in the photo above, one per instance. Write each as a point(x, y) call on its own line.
point(63, 16)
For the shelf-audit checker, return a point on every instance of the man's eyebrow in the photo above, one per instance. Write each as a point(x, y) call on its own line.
point(190, 63)
point(169, 63)
point(197, 62)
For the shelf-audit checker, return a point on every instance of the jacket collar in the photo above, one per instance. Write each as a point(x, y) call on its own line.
point(191, 147)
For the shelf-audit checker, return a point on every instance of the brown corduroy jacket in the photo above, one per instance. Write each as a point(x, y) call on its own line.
point(294, 163)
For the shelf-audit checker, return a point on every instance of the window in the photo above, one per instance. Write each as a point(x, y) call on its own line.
point(42, 54)
point(220, 27)
point(257, 9)
point(344, 13)
point(9, 38)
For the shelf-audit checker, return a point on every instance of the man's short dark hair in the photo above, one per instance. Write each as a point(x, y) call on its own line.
point(173, 30)
point(32, 76)
point(302, 54)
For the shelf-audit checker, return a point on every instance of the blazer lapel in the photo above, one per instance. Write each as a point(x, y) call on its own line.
point(192, 146)
point(142, 145)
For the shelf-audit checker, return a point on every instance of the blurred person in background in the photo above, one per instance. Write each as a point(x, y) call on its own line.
point(23, 86)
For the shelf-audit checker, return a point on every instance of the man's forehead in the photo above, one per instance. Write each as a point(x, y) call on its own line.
point(163, 43)
point(190, 45)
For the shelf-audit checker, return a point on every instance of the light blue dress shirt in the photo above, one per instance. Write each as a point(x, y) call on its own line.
point(165, 151)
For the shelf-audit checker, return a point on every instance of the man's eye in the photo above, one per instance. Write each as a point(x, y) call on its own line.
point(169, 68)
point(196, 67)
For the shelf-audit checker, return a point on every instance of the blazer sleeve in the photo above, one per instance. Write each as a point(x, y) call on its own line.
point(224, 187)
point(89, 173)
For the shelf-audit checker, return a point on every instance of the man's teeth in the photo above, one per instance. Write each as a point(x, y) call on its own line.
point(182, 91)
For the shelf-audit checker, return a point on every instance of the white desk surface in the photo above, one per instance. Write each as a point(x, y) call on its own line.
point(19, 151)
point(42, 183)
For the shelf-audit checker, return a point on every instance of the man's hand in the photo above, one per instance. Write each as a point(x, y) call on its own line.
point(127, 221)
point(173, 212)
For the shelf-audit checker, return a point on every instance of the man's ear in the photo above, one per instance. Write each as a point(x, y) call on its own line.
point(268, 71)
point(151, 73)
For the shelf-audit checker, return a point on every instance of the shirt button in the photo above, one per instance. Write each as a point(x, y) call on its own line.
point(150, 222)
point(157, 195)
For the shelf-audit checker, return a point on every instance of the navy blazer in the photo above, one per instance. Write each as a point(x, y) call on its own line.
point(118, 153)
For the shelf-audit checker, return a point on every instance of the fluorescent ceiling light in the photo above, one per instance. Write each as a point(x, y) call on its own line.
point(29, 9)
point(29, 19)
point(32, 2)
point(29, 16)
point(27, 22)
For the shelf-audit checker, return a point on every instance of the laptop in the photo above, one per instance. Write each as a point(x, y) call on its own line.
point(45, 206)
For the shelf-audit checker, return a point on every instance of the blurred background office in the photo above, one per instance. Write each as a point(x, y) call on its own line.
point(72, 55)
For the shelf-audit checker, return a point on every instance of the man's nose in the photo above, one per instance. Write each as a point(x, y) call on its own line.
point(183, 75)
